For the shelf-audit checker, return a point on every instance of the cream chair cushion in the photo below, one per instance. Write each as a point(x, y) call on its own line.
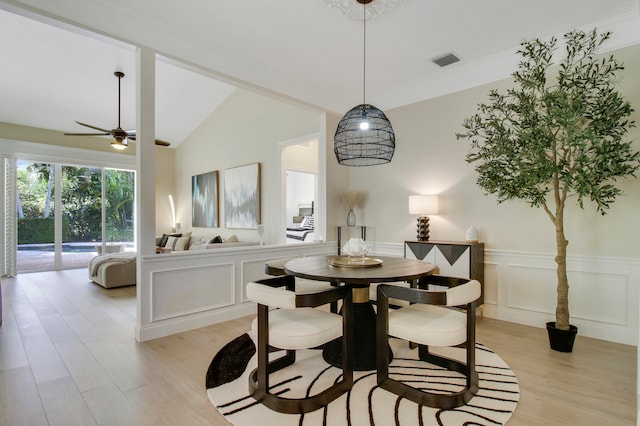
point(291, 327)
point(301, 328)
point(463, 294)
point(428, 325)
point(435, 325)
point(276, 297)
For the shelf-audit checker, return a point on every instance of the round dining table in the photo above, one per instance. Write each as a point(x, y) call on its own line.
point(339, 270)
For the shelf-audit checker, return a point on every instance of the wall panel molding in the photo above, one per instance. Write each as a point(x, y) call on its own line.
point(520, 287)
point(603, 292)
point(199, 289)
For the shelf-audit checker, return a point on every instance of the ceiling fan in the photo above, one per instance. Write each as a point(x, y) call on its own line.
point(121, 136)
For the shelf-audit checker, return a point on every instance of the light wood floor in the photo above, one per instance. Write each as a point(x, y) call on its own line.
point(68, 357)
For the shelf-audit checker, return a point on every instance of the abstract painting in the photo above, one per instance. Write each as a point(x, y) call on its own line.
point(242, 196)
point(204, 190)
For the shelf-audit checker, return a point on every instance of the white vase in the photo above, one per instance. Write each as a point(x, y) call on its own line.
point(472, 234)
point(351, 218)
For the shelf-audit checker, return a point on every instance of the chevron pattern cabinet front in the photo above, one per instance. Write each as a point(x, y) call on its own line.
point(451, 258)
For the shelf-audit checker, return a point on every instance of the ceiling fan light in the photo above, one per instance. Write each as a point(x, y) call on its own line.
point(119, 143)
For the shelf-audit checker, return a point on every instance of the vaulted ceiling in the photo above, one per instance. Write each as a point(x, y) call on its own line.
point(59, 57)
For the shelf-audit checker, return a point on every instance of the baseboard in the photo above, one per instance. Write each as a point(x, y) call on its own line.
point(623, 335)
point(191, 322)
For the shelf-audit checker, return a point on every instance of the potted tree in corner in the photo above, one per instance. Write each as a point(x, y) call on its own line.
point(558, 133)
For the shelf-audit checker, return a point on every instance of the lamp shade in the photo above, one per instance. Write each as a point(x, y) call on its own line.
point(423, 204)
point(364, 137)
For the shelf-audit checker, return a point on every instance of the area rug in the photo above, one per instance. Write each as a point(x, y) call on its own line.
point(365, 404)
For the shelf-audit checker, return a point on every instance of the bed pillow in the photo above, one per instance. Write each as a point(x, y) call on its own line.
point(165, 238)
point(307, 222)
point(171, 242)
point(216, 240)
point(181, 244)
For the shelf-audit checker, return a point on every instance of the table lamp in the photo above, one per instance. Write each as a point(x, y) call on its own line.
point(423, 205)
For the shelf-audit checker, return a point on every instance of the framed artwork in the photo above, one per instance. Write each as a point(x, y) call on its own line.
point(204, 196)
point(242, 197)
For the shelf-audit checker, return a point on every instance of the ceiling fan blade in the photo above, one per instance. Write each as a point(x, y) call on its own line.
point(87, 134)
point(132, 136)
point(94, 127)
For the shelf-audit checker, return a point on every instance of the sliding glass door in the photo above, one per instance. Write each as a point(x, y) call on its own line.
point(81, 214)
point(68, 214)
point(118, 213)
point(35, 201)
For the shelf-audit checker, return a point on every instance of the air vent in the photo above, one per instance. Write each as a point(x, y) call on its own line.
point(446, 59)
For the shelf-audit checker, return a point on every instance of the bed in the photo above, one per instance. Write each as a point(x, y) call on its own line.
point(113, 269)
point(297, 235)
point(304, 231)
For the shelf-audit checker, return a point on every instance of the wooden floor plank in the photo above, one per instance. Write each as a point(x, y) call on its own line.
point(64, 404)
point(110, 407)
point(19, 398)
point(126, 371)
point(12, 353)
point(82, 366)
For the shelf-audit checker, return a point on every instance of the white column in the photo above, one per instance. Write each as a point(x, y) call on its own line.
point(8, 204)
point(145, 178)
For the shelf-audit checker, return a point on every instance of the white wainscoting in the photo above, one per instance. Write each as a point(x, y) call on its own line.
point(207, 288)
point(603, 293)
point(183, 291)
point(187, 290)
point(521, 288)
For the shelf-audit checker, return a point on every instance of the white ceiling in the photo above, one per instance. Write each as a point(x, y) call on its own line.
point(55, 71)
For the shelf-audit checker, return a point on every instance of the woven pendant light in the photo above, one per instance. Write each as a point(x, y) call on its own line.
point(364, 136)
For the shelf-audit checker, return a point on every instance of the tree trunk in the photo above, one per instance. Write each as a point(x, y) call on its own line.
point(562, 303)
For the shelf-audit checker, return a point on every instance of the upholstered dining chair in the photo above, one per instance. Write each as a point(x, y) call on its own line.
point(434, 318)
point(275, 267)
point(290, 321)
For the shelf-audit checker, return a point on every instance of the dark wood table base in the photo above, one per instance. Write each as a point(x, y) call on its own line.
point(364, 339)
point(390, 269)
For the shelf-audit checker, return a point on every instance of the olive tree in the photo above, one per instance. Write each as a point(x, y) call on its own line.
point(558, 134)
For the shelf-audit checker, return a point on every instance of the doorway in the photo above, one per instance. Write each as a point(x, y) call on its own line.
point(299, 162)
point(302, 190)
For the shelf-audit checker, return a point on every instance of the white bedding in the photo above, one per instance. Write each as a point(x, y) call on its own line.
point(295, 235)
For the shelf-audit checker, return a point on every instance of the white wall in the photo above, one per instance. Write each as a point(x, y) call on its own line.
point(165, 178)
point(429, 159)
point(246, 129)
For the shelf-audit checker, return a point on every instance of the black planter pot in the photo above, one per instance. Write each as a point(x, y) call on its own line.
point(561, 340)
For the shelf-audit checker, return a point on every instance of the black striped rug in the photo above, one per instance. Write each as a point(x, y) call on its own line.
point(366, 404)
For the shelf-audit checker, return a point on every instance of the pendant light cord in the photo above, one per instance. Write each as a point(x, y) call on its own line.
point(364, 54)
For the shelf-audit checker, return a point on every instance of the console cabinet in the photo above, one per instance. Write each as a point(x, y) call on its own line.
point(451, 259)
